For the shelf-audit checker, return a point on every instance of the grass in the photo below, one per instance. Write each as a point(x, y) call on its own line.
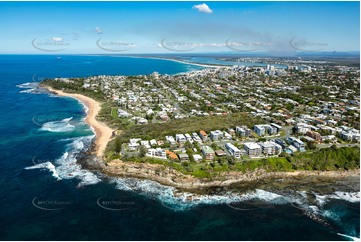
point(189, 125)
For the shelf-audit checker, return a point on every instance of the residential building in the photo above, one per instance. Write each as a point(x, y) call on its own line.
point(233, 150)
point(157, 153)
point(207, 152)
point(189, 138)
point(183, 157)
point(170, 139)
point(216, 135)
point(297, 143)
point(253, 149)
point(180, 138)
point(263, 129)
point(314, 135)
point(196, 138)
point(203, 135)
point(220, 153)
point(197, 157)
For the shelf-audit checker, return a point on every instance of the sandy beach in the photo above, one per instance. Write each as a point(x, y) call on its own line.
point(103, 132)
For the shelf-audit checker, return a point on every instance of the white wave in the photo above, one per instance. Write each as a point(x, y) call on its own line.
point(58, 126)
point(265, 196)
point(350, 237)
point(46, 165)
point(28, 85)
point(331, 215)
point(66, 166)
point(175, 200)
point(31, 90)
point(352, 197)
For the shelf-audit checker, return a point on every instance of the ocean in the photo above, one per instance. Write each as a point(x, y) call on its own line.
point(46, 195)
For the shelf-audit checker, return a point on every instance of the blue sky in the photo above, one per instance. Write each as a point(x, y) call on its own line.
point(168, 27)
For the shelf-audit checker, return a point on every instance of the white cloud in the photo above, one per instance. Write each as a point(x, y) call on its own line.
point(57, 39)
point(203, 8)
point(98, 30)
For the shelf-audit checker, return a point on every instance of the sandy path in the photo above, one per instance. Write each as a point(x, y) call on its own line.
point(103, 133)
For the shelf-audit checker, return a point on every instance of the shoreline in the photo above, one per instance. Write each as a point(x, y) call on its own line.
point(170, 177)
point(102, 132)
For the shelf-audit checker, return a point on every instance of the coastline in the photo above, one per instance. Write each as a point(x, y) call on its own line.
point(170, 177)
point(102, 132)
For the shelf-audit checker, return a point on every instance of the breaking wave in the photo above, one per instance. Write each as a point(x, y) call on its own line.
point(31, 87)
point(58, 126)
point(46, 165)
point(66, 166)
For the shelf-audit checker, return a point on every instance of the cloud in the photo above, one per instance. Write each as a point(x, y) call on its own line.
point(57, 39)
point(98, 30)
point(203, 8)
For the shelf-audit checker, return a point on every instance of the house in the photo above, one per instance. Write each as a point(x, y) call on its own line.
point(145, 144)
point(253, 149)
point(142, 121)
point(203, 135)
point(133, 144)
point(157, 153)
point(153, 142)
point(314, 135)
point(160, 142)
point(297, 143)
point(243, 131)
point(263, 129)
point(278, 127)
point(207, 152)
point(227, 136)
point(170, 139)
point(180, 138)
point(231, 131)
point(183, 157)
point(220, 153)
point(123, 114)
point(197, 157)
point(189, 138)
point(233, 150)
point(171, 155)
point(271, 148)
point(196, 138)
point(302, 128)
point(216, 135)
point(280, 142)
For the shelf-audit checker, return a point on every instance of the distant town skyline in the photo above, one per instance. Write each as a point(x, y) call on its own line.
point(178, 27)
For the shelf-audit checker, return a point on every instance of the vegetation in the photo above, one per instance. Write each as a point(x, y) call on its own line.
point(173, 127)
point(75, 86)
point(328, 159)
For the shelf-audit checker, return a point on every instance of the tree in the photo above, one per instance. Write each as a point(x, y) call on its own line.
point(188, 145)
point(142, 151)
point(117, 145)
point(311, 145)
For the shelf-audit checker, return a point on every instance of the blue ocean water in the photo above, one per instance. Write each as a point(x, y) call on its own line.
point(46, 195)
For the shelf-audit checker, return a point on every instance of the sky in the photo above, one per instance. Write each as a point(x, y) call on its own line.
point(178, 27)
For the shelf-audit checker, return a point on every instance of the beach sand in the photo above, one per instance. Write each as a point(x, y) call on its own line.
point(103, 133)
